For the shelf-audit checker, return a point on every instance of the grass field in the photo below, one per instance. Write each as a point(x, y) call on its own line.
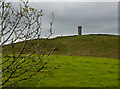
point(94, 46)
point(78, 72)
point(79, 61)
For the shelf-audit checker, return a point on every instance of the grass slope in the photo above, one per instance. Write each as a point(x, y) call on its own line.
point(79, 72)
point(76, 69)
point(96, 46)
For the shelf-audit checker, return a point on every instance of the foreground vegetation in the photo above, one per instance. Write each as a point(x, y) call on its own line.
point(78, 61)
point(72, 71)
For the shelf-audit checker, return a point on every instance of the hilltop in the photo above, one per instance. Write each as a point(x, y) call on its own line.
point(85, 45)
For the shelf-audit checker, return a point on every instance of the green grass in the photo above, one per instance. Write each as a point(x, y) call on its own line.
point(78, 72)
point(81, 61)
point(95, 46)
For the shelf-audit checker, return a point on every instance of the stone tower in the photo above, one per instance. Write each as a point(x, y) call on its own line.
point(79, 30)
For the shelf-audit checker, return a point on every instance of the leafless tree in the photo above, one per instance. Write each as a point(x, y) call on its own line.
point(23, 24)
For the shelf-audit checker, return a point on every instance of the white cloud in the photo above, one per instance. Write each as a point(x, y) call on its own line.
point(65, 0)
point(94, 17)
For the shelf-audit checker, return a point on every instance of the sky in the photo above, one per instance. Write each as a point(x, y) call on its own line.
point(65, 0)
point(94, 17)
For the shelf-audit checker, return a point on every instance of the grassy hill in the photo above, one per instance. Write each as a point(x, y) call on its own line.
point(86, 45)
point(71, 64)
point(76, 72)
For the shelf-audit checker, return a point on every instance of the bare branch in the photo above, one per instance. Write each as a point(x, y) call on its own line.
point(25, 25)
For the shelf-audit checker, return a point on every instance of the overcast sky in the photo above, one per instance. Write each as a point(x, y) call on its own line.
point(94, 17)
point(66, 0)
